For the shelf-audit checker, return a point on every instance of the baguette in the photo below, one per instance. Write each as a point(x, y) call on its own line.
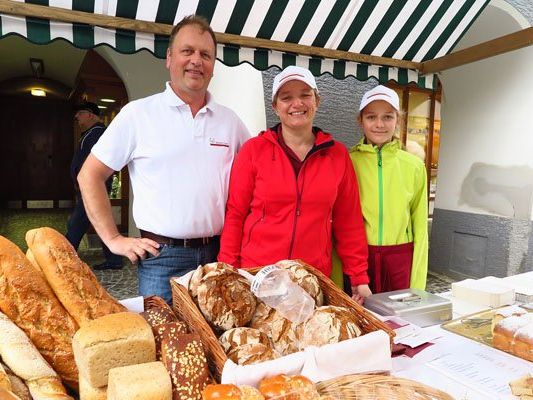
point(21, 356)
point(8, 395)
point(29, 302)
point(18, 387)
point(73, 282)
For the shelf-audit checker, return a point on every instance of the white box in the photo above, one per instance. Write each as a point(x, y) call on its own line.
point(483, 292)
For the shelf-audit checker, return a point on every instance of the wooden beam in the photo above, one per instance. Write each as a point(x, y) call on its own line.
point(504, 44)
point(106, 21)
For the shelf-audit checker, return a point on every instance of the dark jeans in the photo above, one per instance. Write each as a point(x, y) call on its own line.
point(78, 225)
point(155, 272)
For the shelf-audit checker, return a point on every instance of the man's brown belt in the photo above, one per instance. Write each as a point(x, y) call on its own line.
point(190, 243)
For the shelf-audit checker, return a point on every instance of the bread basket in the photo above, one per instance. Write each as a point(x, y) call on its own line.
point(187, 310)
point(371, 387)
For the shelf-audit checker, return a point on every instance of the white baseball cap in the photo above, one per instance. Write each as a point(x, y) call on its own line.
point(380, 93)
point(293, 73)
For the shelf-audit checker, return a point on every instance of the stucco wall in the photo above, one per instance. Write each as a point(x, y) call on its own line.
point(483, 205)
point(339, 100)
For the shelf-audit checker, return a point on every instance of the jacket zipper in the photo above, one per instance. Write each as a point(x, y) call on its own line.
point(297, 211)
point(380, 197)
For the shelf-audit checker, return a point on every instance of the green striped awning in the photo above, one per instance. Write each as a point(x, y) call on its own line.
point(413, 30)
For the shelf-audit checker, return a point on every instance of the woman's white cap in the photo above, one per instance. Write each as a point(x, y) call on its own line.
point(380, 93)
point(293, 73)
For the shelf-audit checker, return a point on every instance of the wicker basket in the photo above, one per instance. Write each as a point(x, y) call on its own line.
point(371, 387)
point(187, 310)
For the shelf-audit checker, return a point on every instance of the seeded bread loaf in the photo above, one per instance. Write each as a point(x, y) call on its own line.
point(185, 360)
point(73, 282)
point(114, 340)
point(173, 329)
point(28, 301)
point(149, 381)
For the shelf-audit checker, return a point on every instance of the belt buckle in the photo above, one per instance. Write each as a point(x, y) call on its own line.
point(186, 243)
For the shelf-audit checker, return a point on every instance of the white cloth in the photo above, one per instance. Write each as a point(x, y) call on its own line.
point(367, 353)
point(179, 165)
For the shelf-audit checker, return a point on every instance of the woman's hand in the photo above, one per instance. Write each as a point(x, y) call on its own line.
point(360, 293)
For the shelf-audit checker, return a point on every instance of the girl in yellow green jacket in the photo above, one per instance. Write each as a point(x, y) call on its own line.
point(393, 192)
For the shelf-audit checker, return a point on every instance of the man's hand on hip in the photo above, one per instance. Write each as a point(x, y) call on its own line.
point(134, 248)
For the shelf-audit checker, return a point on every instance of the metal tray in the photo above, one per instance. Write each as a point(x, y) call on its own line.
point(476, 326)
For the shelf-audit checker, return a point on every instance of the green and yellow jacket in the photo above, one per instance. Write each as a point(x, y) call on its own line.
point(393, 193)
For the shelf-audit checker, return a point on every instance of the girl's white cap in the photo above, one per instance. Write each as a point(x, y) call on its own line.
point(380, 93)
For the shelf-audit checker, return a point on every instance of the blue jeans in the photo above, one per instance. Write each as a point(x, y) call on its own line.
point(155, 272)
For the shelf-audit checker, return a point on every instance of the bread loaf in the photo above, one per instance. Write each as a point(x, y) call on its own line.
point(18, 387)
point(506, 312)
point(204, 272)
point(5, 383)
point(185, 360)
point(503, 335)
point(252, 353)
point(8, 395)
point(19, 353)
point(328, 324)
point(240, 336)
point(305, 279)
point(231, 392)
point(114, 340)
point(88, 392)
point(31, 258)
point(29, 302)
point(283, 387)
point(73, 282)
point(226, 300)
point(148, 381)
point(173, 329)
point(159, 315)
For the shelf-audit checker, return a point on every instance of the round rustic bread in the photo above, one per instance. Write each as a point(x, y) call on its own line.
point(262, 317)
point(243, 335)
point(206, 271)
point(226, 300)
point(307, 281)
point(328, 324)
point(252, 354)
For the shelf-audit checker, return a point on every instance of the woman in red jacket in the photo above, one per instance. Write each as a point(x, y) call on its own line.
point(292, 189)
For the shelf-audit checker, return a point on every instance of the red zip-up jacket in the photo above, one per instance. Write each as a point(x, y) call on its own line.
point(272, 214)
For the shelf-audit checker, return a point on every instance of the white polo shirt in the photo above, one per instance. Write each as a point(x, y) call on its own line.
point(179, 165)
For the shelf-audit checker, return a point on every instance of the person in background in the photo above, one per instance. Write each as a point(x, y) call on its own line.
point(179, 146)
point(393, 190)
point(292, 189)
point(87, 116)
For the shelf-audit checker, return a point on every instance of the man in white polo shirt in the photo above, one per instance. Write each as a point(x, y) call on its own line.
point(179, 146)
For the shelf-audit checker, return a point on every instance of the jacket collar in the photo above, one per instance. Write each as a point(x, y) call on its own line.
point(173, 100)
point(393, 146)
point(321, 138)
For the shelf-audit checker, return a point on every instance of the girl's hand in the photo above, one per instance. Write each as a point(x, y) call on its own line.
point(360, 293)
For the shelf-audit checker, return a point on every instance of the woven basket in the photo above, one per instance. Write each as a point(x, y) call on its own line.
point(187, 310)
point(372, 387)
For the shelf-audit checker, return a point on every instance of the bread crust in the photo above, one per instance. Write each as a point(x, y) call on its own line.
point(73, 282)
point(28, 301)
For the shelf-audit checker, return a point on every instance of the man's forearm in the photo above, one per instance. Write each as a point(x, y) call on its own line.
point(96, 200)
